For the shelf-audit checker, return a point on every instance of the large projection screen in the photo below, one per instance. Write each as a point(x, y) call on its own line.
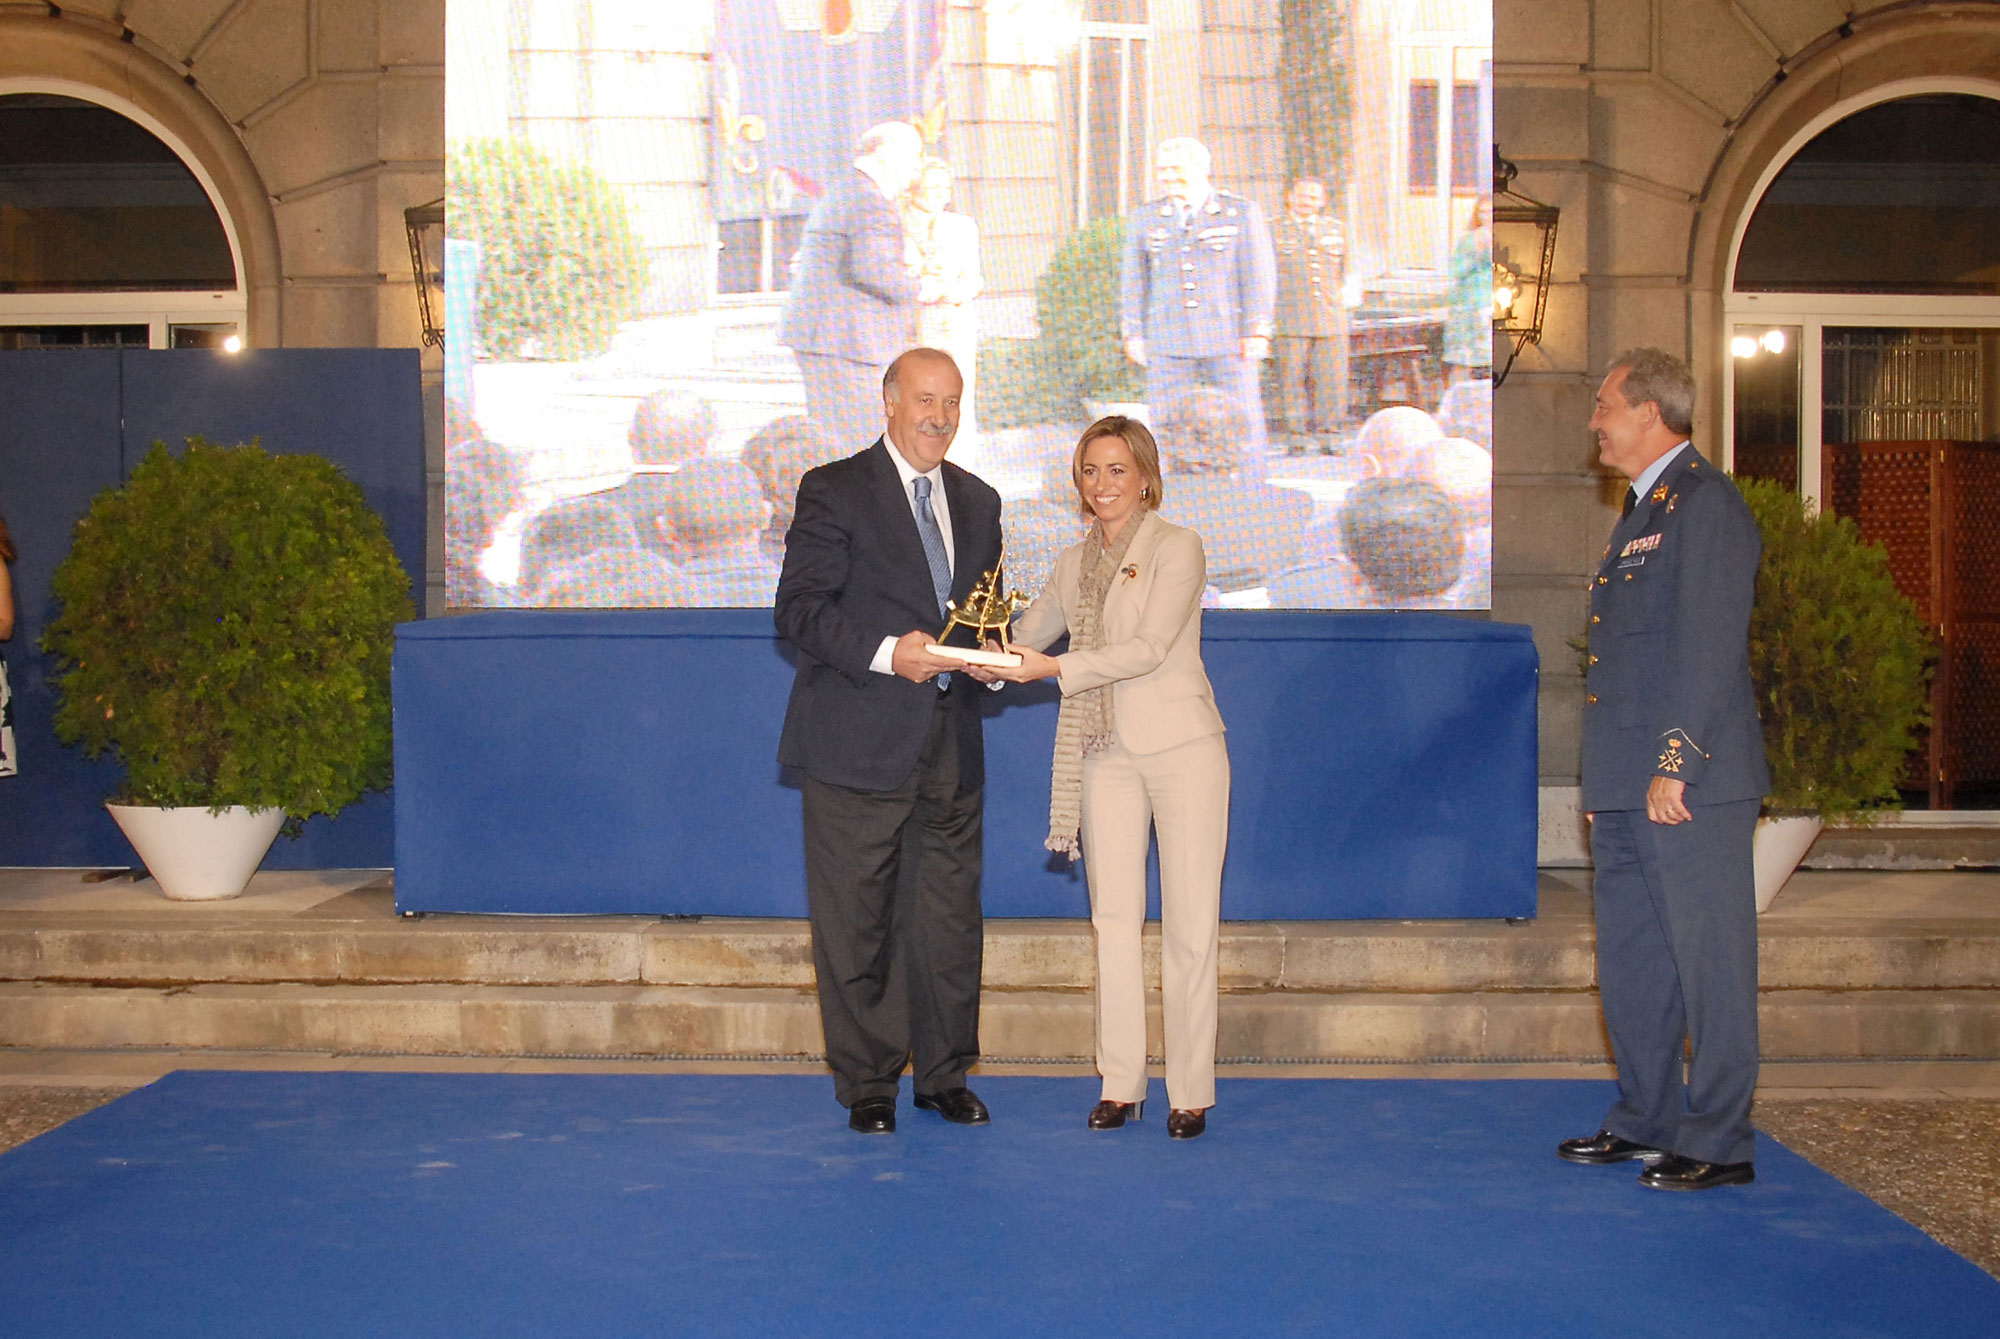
point(1259, 227)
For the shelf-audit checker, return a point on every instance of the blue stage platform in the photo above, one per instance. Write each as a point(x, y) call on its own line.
point(625, 762)
point(217, 1205)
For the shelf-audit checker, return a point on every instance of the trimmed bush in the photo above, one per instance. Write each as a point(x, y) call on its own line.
point(226, 618)
point(1839, 658)
point(1077, 303)
point(559, 262)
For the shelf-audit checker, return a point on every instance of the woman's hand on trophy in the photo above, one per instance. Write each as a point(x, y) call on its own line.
point(1034, 665)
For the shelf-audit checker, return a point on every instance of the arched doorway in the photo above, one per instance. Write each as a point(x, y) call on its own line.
point(1861, 367)
point(108, 235)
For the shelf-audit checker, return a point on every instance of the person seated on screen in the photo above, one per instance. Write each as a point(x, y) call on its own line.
point(1404, 538)
point(633, 578)
point(1467, 411)
point(712, 513)
point(1398, 442)
point(779, 454)
point(669, 427)
point(482, 488)
point(1252, 531)
point(1465, 473)
point(569, 531)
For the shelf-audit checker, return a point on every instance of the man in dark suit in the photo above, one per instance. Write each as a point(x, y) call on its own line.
point(853, 300)
point(890, 745)
point(1673, 773)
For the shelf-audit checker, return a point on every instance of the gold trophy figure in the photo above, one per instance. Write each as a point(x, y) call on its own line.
point(985, 611)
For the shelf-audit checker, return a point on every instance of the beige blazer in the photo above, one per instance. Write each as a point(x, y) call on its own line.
point(1151, 655)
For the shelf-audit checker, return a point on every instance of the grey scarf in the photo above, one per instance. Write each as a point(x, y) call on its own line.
point(1086, 723)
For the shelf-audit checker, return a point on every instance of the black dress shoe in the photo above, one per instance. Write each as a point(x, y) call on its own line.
point(957, 1105)
point(1110, 1115)
point(1186, 1124)
point(873, 1115)
point(1605, 1146)
point(1678, 1173)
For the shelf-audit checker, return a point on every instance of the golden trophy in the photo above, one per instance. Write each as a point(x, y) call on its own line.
point(986, 610)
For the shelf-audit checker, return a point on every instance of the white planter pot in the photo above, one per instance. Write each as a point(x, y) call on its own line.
point(1781, 843)
point(196, 856)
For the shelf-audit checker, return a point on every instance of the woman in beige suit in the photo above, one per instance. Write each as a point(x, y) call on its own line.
point(1138, 747)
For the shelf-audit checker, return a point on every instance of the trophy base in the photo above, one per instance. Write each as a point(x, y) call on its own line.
point(972, 655)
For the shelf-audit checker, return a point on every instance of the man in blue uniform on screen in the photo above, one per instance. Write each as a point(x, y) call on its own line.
point(1673, 776)
point(1199, 288)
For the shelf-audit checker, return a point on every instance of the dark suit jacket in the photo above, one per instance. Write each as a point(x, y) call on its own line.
point(855, 573)
point(853, 297)
point(1668, 680)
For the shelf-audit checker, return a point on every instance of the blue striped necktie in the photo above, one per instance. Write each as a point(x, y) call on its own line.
point(933, 538)
point(940, 565)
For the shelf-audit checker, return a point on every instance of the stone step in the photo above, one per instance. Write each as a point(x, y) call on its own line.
point(1554, 952)
point(719, 1022)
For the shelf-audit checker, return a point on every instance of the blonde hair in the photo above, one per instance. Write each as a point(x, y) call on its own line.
point(1145, 453)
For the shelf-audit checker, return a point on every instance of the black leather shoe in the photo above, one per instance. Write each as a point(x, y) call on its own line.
point(873, 1115)
point(1110, 1115)
point(956, 1105)
point(1605, 1146)
point(1186, 1124)
point(1678, 1173)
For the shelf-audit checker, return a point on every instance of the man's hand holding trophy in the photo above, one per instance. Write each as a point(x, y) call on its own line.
point(989, 608)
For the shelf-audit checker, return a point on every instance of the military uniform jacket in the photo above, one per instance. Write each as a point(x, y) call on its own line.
point(1198, 291)
point(1311, 273)
point(853, 296)
point(1668, 689)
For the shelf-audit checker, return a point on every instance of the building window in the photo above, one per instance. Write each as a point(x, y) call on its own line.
point(1111, 161)
point(1423, 136)
point(755, 255)
point(1466, 139)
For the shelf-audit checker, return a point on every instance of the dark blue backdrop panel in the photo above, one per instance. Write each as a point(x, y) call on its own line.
point(75, 423)
point(58, 447)
point(554, 762)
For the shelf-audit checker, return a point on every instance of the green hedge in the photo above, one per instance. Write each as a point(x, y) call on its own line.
point(1839, 658)
point(226, 618)
point(1077, 304)
point(560, 264)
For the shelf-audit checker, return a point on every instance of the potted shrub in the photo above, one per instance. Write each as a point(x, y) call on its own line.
point(225, 620)
point(1841, 663)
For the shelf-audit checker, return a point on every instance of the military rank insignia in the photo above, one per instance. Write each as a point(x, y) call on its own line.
point(1670, 758)
point(1673, 501)
point(1659, 493)
point(1643, 544)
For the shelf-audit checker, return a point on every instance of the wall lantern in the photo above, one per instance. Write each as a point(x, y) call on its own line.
point(1524, 253)
point(425, 225)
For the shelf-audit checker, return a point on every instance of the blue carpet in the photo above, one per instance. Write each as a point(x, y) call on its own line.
point(224, 1204)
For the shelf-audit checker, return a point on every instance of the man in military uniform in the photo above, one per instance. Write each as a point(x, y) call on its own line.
point(1673, 773)
point(1198, 285)
point(1311, 338)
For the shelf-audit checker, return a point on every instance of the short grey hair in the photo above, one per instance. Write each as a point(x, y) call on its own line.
point(890, 378)
point(1658, 376)
point(1186, 148)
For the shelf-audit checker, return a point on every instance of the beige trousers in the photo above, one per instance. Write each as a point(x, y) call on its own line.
point(1184, 791)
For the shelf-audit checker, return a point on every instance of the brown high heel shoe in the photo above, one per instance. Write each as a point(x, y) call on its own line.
point(1110, 1115)
point(1186, 1124)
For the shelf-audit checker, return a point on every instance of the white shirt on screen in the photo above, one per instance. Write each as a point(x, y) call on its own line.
point(885, 654)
